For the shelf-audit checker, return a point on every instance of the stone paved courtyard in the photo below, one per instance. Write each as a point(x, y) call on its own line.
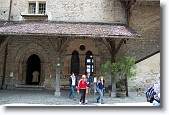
point(46, 97)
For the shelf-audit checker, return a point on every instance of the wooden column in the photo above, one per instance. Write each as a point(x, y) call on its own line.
point(4, 66)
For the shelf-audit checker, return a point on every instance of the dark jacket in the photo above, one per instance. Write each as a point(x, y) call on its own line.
point(70, 81)
point(89, 79)
point(100, 85)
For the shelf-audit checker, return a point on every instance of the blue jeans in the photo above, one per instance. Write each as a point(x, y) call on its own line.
point(72, 91)
point(155, 103)
point(100, 98)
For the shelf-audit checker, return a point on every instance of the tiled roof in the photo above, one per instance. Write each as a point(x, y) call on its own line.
point(69, 29)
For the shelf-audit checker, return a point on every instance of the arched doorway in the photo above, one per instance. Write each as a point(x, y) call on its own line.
point(75, 63)
point(33, 64)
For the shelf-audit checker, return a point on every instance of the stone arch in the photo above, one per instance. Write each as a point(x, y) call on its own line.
point(30, 49)
point(22, 57)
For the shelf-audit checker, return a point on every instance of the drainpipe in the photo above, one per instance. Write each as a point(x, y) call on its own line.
point(126, 6)
point(10, 8)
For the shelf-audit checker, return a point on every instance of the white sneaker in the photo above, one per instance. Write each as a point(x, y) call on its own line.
point(86, 101)
point(80, 102)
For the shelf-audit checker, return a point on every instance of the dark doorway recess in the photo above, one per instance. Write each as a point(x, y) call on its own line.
point(75, 63)
point(33, 64)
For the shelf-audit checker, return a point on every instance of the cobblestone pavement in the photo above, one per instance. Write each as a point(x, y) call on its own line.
point(46, 97)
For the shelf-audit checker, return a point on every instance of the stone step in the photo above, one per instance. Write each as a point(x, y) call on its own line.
point(29, 87)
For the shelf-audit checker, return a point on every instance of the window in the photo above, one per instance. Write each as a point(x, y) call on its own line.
point(89, 63)
point(42, 8)
point(37, 7)
point(82, 47)
point(75, 63)
point(32, 8)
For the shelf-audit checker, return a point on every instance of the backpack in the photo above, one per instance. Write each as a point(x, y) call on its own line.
point(150, 94)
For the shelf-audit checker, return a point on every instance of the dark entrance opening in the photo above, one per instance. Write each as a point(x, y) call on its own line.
point(33, 66)
point(75, 63)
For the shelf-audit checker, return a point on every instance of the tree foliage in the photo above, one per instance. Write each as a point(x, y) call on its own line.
point(122, 68)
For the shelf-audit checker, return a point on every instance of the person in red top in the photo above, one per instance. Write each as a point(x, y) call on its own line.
point(82, 88)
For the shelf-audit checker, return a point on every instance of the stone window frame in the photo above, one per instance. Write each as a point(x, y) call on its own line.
point(36, 9)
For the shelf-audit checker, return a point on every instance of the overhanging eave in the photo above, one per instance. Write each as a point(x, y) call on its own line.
point(70, 29)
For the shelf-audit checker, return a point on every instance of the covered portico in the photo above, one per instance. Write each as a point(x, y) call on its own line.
point(106, 32)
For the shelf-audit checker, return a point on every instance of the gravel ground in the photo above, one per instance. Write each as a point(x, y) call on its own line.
point(46, 97)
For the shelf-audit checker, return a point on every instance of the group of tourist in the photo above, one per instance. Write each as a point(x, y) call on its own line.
point(84, 87)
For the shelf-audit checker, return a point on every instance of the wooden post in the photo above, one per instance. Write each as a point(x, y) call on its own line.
point(4, 66)
point(113, 81)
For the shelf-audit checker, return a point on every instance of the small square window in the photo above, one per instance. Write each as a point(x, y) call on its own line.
point(32, 8)
point(42, 8)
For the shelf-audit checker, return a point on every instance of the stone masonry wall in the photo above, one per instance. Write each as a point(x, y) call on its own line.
point(107, 11)
point(145, 20)
point(86, 11)
point(148, 72)
point(4, 9)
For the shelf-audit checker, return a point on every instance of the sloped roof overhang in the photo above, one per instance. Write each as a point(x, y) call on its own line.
point(69, 29)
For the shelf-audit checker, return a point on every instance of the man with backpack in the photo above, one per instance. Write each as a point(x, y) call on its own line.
point(153, 94)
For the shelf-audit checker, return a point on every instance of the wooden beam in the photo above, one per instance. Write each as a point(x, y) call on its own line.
point(53, 45)
point(107, 45)
point(64, 45)
point(113, 48)
point(2, 46)
point(119, 45)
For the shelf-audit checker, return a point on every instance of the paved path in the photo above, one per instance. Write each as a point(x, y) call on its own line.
point(47, 98)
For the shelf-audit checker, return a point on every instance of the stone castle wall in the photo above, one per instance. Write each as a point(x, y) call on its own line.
point(107, 11)
point(148, 72)
point(145, 20)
